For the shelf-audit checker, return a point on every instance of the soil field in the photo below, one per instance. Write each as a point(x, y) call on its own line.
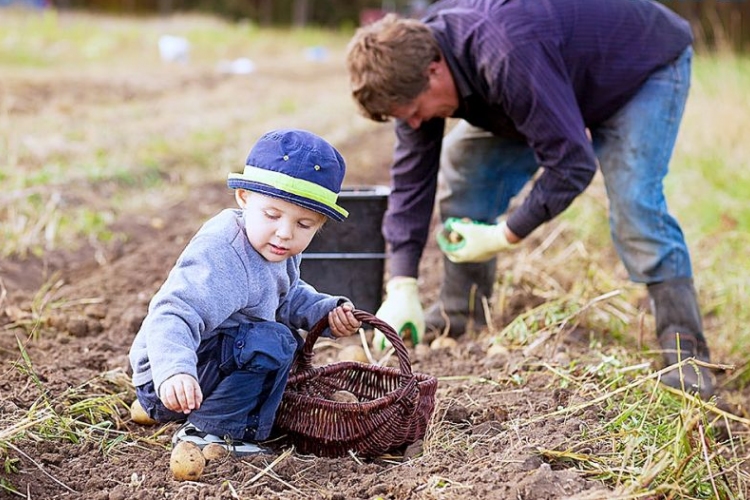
point(504, 418)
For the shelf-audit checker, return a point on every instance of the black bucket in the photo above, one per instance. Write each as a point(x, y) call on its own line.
point(348, 258)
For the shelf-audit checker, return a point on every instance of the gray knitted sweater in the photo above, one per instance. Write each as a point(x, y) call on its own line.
point(219, 281)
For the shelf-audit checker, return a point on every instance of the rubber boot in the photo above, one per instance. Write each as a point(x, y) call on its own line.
point(680, 333)
point(461, 305)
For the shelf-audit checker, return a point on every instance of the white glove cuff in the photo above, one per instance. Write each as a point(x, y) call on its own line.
point(401, 283)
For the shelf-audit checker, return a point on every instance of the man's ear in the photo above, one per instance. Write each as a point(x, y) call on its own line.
point(438, 68)
point(240, 195)
point(433, 70)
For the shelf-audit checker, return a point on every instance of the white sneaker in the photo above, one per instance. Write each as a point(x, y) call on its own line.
point(189, 432)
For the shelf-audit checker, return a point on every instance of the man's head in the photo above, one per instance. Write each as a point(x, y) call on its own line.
point(390, 63)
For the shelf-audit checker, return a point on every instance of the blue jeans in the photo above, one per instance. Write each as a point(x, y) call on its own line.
point(242, 373)
point(480, 173)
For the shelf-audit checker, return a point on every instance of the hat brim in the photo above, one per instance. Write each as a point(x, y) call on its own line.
point(336, 213)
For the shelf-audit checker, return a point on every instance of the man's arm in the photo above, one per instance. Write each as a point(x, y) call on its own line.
point(539, 98)
point(406, 225)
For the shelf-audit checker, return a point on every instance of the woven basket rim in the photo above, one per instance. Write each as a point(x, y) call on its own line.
point(326, 427)
point(303, 362)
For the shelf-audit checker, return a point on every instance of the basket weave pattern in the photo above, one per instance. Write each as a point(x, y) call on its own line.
point(394, 408)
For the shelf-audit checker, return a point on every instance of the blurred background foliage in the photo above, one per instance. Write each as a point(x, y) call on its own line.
point(322, 13)
point(719, 25)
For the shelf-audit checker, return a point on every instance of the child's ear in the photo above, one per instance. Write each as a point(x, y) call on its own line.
point(241, 195)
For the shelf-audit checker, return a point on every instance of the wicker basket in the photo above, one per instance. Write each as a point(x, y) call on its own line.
point(394, 407)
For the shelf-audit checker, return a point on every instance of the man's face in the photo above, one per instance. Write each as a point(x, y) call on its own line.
point(439, 100)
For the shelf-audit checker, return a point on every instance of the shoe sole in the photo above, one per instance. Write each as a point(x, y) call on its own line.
point(202, 440)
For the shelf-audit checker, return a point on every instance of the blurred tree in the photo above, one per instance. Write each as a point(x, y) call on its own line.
point(717, 24)
point(326, 13)
point(301, 12)
point(266, 12)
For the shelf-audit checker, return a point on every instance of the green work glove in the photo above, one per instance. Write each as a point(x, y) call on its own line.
point(402, 310)
point(465, 240)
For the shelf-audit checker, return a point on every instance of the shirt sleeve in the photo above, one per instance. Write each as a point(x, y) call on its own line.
point(406, 224)
point(539, 98)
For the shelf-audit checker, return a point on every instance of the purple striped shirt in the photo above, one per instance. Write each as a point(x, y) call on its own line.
point(541, 71)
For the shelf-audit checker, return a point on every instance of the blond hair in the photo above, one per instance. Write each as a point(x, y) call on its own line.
point(387, 62)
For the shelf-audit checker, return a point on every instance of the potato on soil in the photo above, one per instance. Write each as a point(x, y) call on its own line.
point(214, 451)
point(497, 350)
point(187, 462)
point(443, 343)
point(139, 415)
point(353, 353)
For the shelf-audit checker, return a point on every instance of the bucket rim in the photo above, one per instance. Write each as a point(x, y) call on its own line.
point(364, 191)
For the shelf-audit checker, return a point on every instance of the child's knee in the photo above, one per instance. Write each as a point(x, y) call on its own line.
point(264, 346)
point(153, 406)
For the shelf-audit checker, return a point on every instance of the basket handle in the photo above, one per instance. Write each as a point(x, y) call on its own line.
point(304, 361)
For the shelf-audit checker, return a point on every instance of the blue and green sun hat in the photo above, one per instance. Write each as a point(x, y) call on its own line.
point(296, 166)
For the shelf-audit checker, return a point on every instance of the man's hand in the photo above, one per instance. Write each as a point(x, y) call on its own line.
point(402, 310)
point(342, 322)
point(465, 240)
point(181, 393)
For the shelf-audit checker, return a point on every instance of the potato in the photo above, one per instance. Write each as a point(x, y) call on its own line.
point(214, 451)
point(421, 351)
point(454, 237)
point(353, 353)
point(497, 350)
point(139, 415)
point(344, 397)
point(187, 462)
point(443, 343)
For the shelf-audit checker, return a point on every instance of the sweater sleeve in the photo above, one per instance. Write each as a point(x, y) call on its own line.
point(201, 291)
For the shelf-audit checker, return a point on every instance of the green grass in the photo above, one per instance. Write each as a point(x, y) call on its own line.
point(709, 184)
point(50, 39)
point(708, 189)
point(712, 157)
point(658, 445)
point(91, 412)
point(649, 441)
point(654, 443)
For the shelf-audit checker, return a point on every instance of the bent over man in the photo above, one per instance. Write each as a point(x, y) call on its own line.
point(565, 86)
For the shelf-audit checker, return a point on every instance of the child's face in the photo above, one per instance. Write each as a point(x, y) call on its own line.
point(277, 229)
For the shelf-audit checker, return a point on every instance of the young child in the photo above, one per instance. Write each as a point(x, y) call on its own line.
point(217, 344)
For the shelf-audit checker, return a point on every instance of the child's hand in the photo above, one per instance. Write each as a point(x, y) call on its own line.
point(342, 322)
point(181, 393)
